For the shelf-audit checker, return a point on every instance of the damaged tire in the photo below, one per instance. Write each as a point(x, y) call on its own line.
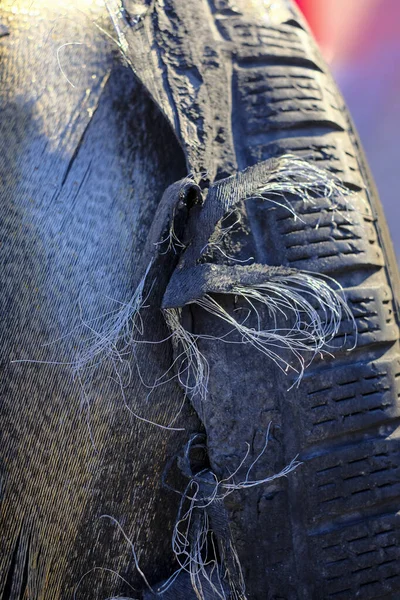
point(241, 89)
point(332, 529)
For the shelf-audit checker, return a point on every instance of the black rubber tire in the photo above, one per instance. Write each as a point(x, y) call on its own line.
point(333, 531)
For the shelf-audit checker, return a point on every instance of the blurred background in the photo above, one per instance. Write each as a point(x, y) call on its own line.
point(360, 39)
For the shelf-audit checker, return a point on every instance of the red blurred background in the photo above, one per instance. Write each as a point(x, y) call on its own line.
point(360, 39)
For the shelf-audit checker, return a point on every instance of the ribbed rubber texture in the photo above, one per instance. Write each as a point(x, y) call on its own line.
point(339, 537)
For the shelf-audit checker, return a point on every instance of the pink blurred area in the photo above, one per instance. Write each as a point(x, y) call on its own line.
point(360, 39)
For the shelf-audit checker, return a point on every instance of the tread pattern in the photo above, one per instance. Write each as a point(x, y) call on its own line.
point(350, 399)
point(325, 241)
point(258, 40)
point(343, 502)
point(360, 559)
point(283, 97)
point(339, 158)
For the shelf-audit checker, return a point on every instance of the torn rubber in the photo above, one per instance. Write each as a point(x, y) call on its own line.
point(306, 309)
point(202, 540)
point(286, 181)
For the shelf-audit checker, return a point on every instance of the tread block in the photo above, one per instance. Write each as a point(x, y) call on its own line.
point(347, 399)
point(321, 238)
point(274, 12)
point(360, 560)
point(258, 39)
point(352, 479)
point(274, 98)
point(373, 311)
point(332, 151)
